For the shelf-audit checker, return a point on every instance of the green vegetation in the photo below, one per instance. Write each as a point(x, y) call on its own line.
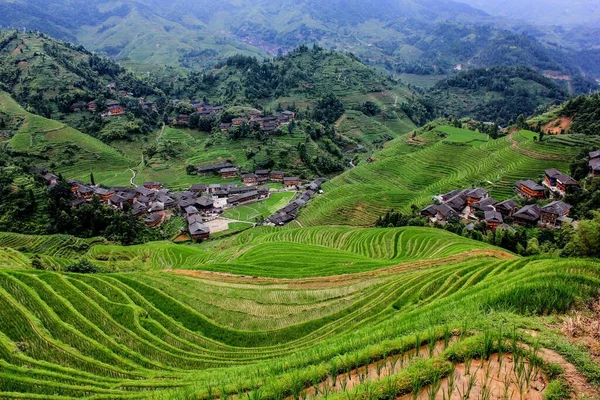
point(410, 170)
point(205, 335)
point(498, 95)
point(260, 210)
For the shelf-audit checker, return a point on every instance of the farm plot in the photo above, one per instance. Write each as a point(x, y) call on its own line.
point(251, 212)
point(157, 335)
point(406, 174)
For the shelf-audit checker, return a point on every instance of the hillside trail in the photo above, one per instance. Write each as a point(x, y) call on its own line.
point(340, 280)
point(515, 146)
point(340, 121)
point(134, 172)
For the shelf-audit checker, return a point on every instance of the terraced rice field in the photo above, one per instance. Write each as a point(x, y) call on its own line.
point(263, 209)
point(408, 173)
point(180, 334)
point(75, 153)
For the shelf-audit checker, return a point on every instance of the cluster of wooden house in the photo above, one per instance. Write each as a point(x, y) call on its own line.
point(290, 212)
point(473, 205)
point(259, 177)
point(204, 110)
point(266, 124)
point(156, 204)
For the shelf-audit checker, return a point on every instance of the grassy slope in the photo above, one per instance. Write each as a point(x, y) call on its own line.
point(408, 172)
point(104, 335)
point(74, 154)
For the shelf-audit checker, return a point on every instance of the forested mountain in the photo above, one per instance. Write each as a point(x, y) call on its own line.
point(49, 75)
point(408, 36)
point(498, 94)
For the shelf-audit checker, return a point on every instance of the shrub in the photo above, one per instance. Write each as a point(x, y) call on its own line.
point(82, 267)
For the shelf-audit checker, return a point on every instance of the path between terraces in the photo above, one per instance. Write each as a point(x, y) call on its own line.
point(532, 154)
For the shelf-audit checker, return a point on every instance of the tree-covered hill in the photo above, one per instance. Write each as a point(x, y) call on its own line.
point(49, 75)
point(498, 94)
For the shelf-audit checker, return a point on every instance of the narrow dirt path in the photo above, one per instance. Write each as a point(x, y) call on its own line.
point(515, 146)
point(134, 172)
point(577, 381)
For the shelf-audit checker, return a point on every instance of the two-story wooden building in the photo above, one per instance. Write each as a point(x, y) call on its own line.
point(531, 190)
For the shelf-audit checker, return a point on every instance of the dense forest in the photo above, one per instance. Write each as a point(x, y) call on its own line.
point(498, 94)
point(585, 111)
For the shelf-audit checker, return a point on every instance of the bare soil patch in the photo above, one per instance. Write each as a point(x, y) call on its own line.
point(557, 126)
point(217, 225)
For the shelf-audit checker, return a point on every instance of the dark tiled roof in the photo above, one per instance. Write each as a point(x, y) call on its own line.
point(557, 208)
point(529, 213)
point(531, 185)
point(493, 216)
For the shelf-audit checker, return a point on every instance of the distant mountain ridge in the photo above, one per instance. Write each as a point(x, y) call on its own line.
point(405, 36)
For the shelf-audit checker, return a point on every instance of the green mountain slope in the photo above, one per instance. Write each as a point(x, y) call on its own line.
point(46, 143)
point(498, 94)
point(410, 170)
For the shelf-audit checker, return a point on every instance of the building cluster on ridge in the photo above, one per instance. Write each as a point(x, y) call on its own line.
point(474, 205)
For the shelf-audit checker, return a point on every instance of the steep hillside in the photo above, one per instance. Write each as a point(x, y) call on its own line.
point(578, 116)
point(49, 75)
point(410, 170)
point(498, 94)
point(42, 142)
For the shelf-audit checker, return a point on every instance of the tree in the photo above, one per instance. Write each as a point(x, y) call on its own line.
point(82, 267)
point(328, 109)
point(585, 242)
point(92, 178)
point(191, 170)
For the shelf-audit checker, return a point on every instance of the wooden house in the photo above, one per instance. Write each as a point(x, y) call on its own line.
point(238, 121)
point(198, 188)
point(250, 179)
point(197, 229)
point(115, 109)
point(92, 106)
point(50, 178)
point(493, 219)
point(153, 185)
point(277, 176)
point(79, 106)
point(531, 190)
point(262, 175)
point(528, 215)
point(229, 173)
point(205, 205)
point(291, 181)
point(243, 198)
point(507, 208)
point(594, 163)
point(551, 212)
point(85, 192)
point(476, 195)
point(213, 169)
point(104, 194)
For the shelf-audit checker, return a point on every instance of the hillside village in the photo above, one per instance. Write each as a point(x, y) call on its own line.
point(475, 205)
point(156, 204)
point(201, 109)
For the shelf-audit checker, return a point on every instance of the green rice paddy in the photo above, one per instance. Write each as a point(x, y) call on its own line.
point(350, 298)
